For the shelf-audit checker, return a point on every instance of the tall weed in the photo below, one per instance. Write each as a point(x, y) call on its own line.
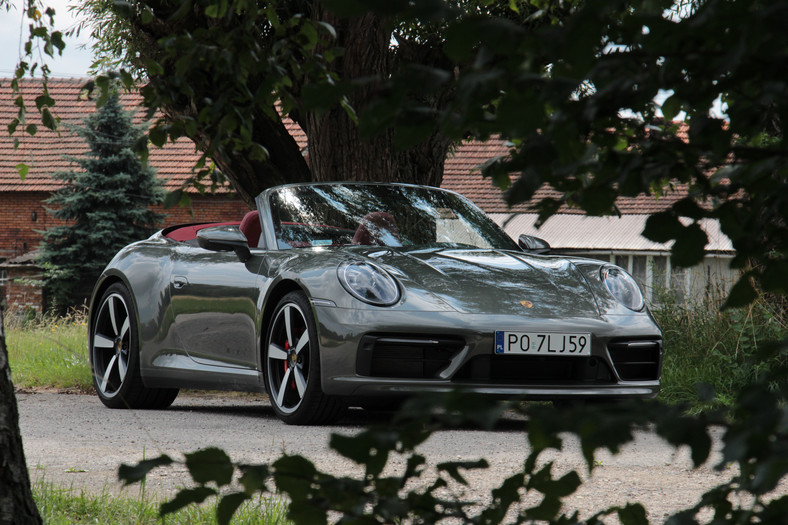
point(710, 355)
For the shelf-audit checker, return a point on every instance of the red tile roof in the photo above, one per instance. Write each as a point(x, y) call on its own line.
point(462, 174)
point(45, 152)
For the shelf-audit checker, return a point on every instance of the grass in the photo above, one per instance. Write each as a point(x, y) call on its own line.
point(66, 506)
point(51, 352)
point(710, 355)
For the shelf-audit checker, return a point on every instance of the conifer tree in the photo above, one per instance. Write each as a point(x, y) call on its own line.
point(105, 203)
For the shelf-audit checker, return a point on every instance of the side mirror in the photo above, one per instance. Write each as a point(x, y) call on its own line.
point(531, 244)
point(224, 239)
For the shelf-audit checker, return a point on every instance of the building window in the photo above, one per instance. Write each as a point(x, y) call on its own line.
point(679, 283)
point(638, 270)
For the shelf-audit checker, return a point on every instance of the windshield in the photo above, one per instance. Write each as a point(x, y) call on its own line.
point(380, 215)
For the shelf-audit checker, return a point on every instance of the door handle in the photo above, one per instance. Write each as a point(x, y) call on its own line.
point(179, 282)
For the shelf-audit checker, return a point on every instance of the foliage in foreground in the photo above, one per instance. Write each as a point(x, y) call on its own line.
point(66, 506)
point(755, 441)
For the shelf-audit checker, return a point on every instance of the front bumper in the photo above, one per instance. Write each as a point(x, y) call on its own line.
point(385, 353)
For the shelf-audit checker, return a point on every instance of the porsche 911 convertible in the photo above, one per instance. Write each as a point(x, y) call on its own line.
point(332, 295)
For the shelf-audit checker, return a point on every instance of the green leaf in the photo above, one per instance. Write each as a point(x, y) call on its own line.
point(309, 34)
point(13, 125)
point(173, 198)
point(370, 448)
point(307, 514)
point(322, 96)
point(158, 136)
point(147, 15)
point(23, 170)
point(742, 293)
point(48, 120)
point(44, 100)
point(687, 207)
point(253, 477)
point(129, 474)
point(328, 28)
point(685, 517)
point(123, 9)
point(216, 9)
point(662, 227)
point(127, 79)
point(773, 279)
point(186, 497)
point(670, 108)
point(294, 475)
point(690, 246)
point(210, 464)
point(453, 468)
point(228, 505)
point(461, 40)
point(546, 510)
point(690, 432)
point(632, 514)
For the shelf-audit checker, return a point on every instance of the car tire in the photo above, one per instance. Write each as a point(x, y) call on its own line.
point(115, 356)
point(291, 364)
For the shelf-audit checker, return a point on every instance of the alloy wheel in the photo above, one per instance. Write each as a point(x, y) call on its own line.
point(111, 340)
point(288, 357)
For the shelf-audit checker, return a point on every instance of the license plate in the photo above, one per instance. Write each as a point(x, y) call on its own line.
point(543, 343)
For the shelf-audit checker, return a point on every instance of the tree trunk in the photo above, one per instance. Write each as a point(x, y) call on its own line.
point(16, 498)
point(336, 149)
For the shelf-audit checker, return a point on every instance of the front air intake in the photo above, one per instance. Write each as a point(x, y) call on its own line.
point(636, 360)
point(406, 357)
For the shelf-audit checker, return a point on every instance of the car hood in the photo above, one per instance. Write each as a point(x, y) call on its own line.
point(493, 282)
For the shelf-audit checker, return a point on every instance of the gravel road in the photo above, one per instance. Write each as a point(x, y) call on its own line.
point(74, 441)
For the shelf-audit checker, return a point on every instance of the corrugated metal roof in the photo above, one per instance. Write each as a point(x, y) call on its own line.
point(580, 232)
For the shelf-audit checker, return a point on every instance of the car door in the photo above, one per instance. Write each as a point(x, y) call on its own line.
point(214, 298)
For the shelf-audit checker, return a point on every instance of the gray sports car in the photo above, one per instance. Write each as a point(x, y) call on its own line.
point(343, 294)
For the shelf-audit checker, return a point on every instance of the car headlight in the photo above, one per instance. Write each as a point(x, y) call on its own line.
point(366, 282)
point(623, 287)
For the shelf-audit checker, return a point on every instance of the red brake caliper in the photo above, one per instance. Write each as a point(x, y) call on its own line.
point(287, 347)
